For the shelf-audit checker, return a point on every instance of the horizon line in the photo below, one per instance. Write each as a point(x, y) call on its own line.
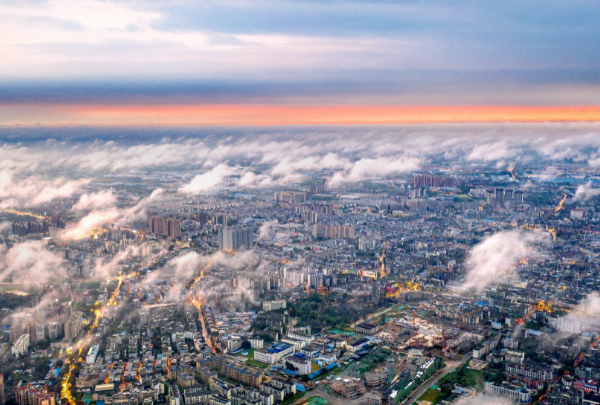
point(69, 115)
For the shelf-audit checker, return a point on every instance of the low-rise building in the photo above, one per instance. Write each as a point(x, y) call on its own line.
point(506, 389)
point(301, 363)
point(92, 354)
point(274, 305)
point(274, 353)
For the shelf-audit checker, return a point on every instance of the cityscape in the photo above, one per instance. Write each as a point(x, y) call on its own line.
point(299, 202)
point(414, 277)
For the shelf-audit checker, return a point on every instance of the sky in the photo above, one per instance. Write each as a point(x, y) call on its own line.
point(273, 62)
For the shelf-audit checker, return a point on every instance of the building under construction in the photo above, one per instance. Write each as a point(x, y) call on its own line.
point(349, 387)
point(375, 379)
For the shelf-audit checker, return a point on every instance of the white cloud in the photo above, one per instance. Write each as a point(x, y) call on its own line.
point(366, 168)
point(99, 217)
point(250, 179)
point(97, 200)
point(187, 265)
point(498, 256)
point(33, 190)
point(207, 181)
point(491, 151)
point(266, 229)
point(483, 400)
point(585, 192)
point(587, 312)
point(86, 224)
point(31, 263)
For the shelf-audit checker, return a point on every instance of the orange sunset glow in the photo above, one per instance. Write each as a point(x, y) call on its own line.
point(267, 115)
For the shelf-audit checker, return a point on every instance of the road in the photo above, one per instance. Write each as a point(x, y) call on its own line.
point(433, 380)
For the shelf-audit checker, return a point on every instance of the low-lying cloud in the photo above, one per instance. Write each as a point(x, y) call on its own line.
point(17, 191)
point(207, 181)
point(483, 400)
point(98, 218)
point(498, 256)
point(93, 201)
point(366, 168)
point(31, 263)
point(585, 192)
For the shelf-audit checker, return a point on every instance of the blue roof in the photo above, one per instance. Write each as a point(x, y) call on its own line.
point(278, 347)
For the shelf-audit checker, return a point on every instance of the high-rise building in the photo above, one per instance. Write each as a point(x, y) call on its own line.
point(165, 227)
point(489, 196)
point(24, 228)
point(40, 331)
point(73, 326)
point(333, 231)
point(156, 225)
point(235, 239)
point(206, 218)
point(310, 217)
point(501, 198)
point(518, 196)
point(430, 180)
point(173, 228)
point(323, 209)
point(318, 188)
point(290, 197)
point(53, 330)
point(418, 192)
point(203, 217)
point(65, 310)
point(220, 219)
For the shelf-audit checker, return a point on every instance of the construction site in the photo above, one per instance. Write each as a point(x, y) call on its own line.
point(412, 331)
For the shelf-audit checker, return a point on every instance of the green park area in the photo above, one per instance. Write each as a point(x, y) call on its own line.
point(249, 355)
point(462, 377)
point(316, 401)
point(258, 364)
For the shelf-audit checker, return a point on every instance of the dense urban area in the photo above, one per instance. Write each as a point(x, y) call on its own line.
point(432, 286)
